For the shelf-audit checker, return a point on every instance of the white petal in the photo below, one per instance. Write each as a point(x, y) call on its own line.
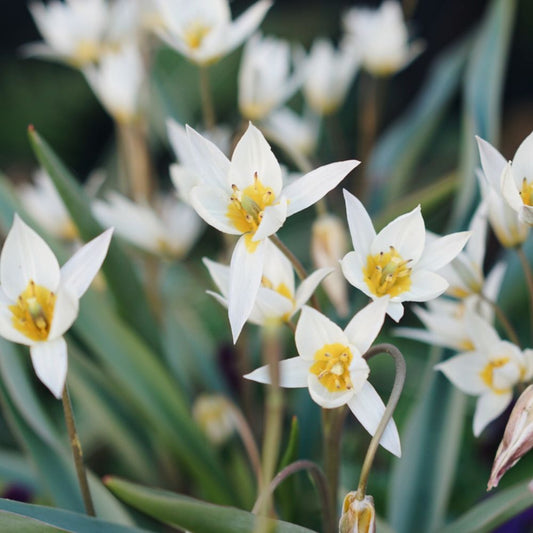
point(79, 271)
point(273, 218)
point(308, 189)
point(488, 407)
point(253, 155)
point(464, 371)
point(220, 274)
point(293, 373)
point(65, 312)
point(493, 281)
point(308, 286)
point(482, 334)
point(269, 304)
point(492, 162)
point(25, 256)
point(523, 161)
point(246, 24)
point(352, 268)
point(368, 408)
point(314, 330)
point(395, 310)
point(325, 398)
point(211, 204)
point(475, 247)
point(526, 215)
point(365, 326)
point(220, 299)
point(406, 233)
point(509, 190)
point(50, 364)
point(441, 251)
point(361, 227)
point(246, 270)
point(425, 286)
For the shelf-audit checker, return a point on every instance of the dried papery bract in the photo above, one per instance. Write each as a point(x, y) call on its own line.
point(358, 515)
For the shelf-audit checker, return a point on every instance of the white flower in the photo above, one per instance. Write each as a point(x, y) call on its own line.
point(380, 38)
point(39, 300)
point(277, 298)
point(202, 30)
point(396, 263)
point(79, 31)
point(246, 196)
point(331, 365)
point(329, 74)
point(214, 414)
point(517, 181)
point(117, 82)
point(504, 221)
point(46, 207)
point(265, 78)
point(490, 371)
point(168, 230)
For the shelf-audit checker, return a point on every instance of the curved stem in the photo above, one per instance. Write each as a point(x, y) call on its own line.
point(504, 321)
point(319, 478)
point(397, 388)
point(208, 108)
point(77, 453)
point(529, 279)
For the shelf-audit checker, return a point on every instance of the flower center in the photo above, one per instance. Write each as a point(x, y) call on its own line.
point(387, 273)
point(33, 312)
point(280, 289)
point(487, 374)
point(246, 207)
point(86, 52)
point(526, 192)
point(331, 366)
point(195, 34)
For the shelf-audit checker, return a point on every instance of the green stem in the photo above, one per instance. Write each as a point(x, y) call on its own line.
point(208, 108)
point(397, 388)
point(77, 453)
point(504, 321)
point(529, 279)
point(332, 423)
point(320, 481)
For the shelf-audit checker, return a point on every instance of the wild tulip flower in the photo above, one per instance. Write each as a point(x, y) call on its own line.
point(39, 300)
point(396, 263)
point(331, 364)
point(489, 371)
point(246, 196)
point(203, 31)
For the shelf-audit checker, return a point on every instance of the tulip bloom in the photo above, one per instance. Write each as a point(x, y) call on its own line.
point(39, 301)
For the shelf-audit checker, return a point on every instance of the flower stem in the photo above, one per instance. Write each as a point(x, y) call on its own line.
point(332, 423)
point(77, 453)
point(320, 481)
point(529, 279)
point(273, 416)
point(504, 321)
point(208, 108)
point(397, 388)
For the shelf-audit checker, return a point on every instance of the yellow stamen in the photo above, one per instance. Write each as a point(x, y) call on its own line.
point(387, 273)
point(33, 312)
point(331, 366)
point(195, 34)
point(526, 193)
point(487, 374)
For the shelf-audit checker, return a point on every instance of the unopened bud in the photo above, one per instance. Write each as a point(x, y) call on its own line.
point(328, 246)
point(358, 516)
point(214, 416)
point(517, 438)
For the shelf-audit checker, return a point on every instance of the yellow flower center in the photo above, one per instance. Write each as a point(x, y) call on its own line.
point(33, 312)
point(86, 52)
point(280, 289)
point(487, 374)
point(526, 192)
point(331, 366)
point(387, 273)
point(195, 34)
point(246, 207)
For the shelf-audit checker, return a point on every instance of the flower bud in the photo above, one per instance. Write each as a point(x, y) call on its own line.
point(517, 438)
point(328, 246)
point(214, 416)
point(358, 516)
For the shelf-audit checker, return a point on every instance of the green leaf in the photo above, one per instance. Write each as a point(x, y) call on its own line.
point(492, 512)
point(118, 269)
point(286, 491)
point(191, 514)
point(483, 86)
point(24, 516)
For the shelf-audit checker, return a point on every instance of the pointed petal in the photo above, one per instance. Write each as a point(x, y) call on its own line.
point(246, 270)
point(247, 23)
point(493, 281)
point(293, 373)
point(523, 161)
point(273, 218)
point(368, 408)
point(464, 371)
point(79, 271)
point(65, 312)
point(308, 286)
point(365, 326)
point(50, 364)
point(441, 251)
point(25, 256)
point(425, 285)
point(352, 268)
point(406, 233)
point(492, 162)
point(509, 189)
point(314, 330)
point(361, 227)
point(308, 189)
point(269, 305)
point(211, 203)
point(488, 407)
point(483, 335)
point(475, 247)
point(220, 274)
point(253, 155)
point(395, 310)
point(325, 398)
